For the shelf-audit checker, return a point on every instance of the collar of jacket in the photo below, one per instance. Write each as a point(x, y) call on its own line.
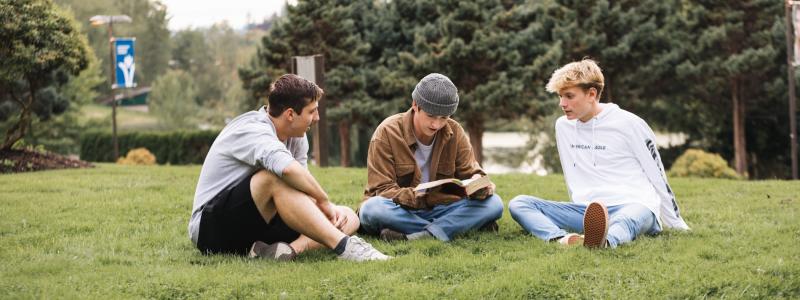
point(443, 134)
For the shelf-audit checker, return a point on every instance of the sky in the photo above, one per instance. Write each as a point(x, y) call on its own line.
point(204, 13)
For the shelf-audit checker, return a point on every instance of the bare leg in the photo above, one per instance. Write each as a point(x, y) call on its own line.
point(297, 209)
point(303, 243)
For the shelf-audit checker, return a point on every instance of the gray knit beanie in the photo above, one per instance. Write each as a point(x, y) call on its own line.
point(436, 94)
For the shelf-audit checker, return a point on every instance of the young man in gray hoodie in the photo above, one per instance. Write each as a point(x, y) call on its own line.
point(255, 195)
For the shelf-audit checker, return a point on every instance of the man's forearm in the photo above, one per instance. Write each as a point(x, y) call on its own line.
point(299, 178)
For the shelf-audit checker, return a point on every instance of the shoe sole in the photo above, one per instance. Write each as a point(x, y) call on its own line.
point(264, 250)
point(256, 248)
point(595, 225)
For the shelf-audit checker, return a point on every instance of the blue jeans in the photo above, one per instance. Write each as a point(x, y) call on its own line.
point(443, 221)
point(549, 219)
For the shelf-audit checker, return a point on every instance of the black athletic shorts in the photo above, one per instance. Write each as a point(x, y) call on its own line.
point(230, 223)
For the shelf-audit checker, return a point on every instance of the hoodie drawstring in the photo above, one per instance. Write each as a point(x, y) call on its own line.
point(575, 157)
point(592, 149)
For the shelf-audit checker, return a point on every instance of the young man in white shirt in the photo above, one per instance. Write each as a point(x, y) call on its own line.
point(613, 171)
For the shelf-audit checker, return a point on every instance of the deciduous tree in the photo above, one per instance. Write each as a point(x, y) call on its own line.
point(41, 50)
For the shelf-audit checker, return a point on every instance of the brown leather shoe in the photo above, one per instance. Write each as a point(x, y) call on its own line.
point(389, 235)
point(595, 225)
point(490, 227)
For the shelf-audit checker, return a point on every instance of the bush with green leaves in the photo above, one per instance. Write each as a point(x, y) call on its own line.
point(176, 147)
point(698, 163)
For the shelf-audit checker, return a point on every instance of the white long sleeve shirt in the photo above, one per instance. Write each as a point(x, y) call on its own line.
point(612, 159)
point(247, 144)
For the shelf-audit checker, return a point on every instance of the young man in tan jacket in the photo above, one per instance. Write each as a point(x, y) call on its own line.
point(420, 145)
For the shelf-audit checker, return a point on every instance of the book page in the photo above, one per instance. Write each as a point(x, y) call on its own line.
point(476, 184)
point(436, 183)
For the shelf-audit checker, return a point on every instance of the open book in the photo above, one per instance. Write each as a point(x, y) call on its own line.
point(454, 186)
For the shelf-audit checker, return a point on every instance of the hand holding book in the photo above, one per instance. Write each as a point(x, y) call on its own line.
point(478, 187)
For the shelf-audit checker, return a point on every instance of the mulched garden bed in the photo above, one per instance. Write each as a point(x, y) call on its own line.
point(28, 160)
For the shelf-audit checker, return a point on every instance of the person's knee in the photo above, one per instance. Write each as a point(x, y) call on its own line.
point(634, 211)
point(520, 203)
point(634, 216)
point(263, 183)
point(493, 207)
point(264, 177)
point(372, 209)
point(370, 214)
point(353, 223)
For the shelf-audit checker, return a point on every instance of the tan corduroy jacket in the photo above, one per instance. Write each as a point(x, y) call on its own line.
point(392, 171)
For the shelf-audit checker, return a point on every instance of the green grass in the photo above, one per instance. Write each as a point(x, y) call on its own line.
point(120, 232)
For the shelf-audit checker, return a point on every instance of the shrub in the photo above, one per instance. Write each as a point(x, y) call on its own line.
point(138, 156)
point(178, 147)
point(698, 163)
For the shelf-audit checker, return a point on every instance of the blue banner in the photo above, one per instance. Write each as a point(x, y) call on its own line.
point(124, 63)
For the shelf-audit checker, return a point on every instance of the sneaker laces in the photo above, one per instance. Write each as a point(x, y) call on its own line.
point(363, 248)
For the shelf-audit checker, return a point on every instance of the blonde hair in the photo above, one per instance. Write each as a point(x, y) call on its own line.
point(585, 74)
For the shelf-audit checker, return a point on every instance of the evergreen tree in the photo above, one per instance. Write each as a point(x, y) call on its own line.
point(330, 28)
point(475, 44)
point(731, 64)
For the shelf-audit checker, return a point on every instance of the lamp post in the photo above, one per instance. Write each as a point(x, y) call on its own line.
point(99, 20)
point(791, 63)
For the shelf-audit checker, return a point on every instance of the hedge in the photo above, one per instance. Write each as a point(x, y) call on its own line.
point(179, 147)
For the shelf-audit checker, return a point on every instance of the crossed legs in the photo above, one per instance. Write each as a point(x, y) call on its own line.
point(549, 220)
point(299, 211)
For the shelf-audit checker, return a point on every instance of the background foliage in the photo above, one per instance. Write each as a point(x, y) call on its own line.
point(176, 147)
point(675, 63)
point(713, 70)
point(41, 51)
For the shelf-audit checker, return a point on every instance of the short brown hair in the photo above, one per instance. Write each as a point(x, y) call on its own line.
point(291, 91)
point(585, 74)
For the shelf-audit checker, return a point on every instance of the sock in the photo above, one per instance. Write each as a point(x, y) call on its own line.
point(342, 244)
point(419, 235)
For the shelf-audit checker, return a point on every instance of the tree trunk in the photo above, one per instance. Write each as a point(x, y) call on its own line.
point(475, 129)
point(344, 143)
point(18, 130)
point(739, 142)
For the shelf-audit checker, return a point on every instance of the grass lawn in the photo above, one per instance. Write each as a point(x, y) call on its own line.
point(120, 232)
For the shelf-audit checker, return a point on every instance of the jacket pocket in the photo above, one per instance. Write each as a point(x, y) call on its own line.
point(405, 174)
point(445, 170)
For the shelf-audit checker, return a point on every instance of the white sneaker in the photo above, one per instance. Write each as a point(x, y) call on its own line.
point(571, 239)
point(359, 250)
